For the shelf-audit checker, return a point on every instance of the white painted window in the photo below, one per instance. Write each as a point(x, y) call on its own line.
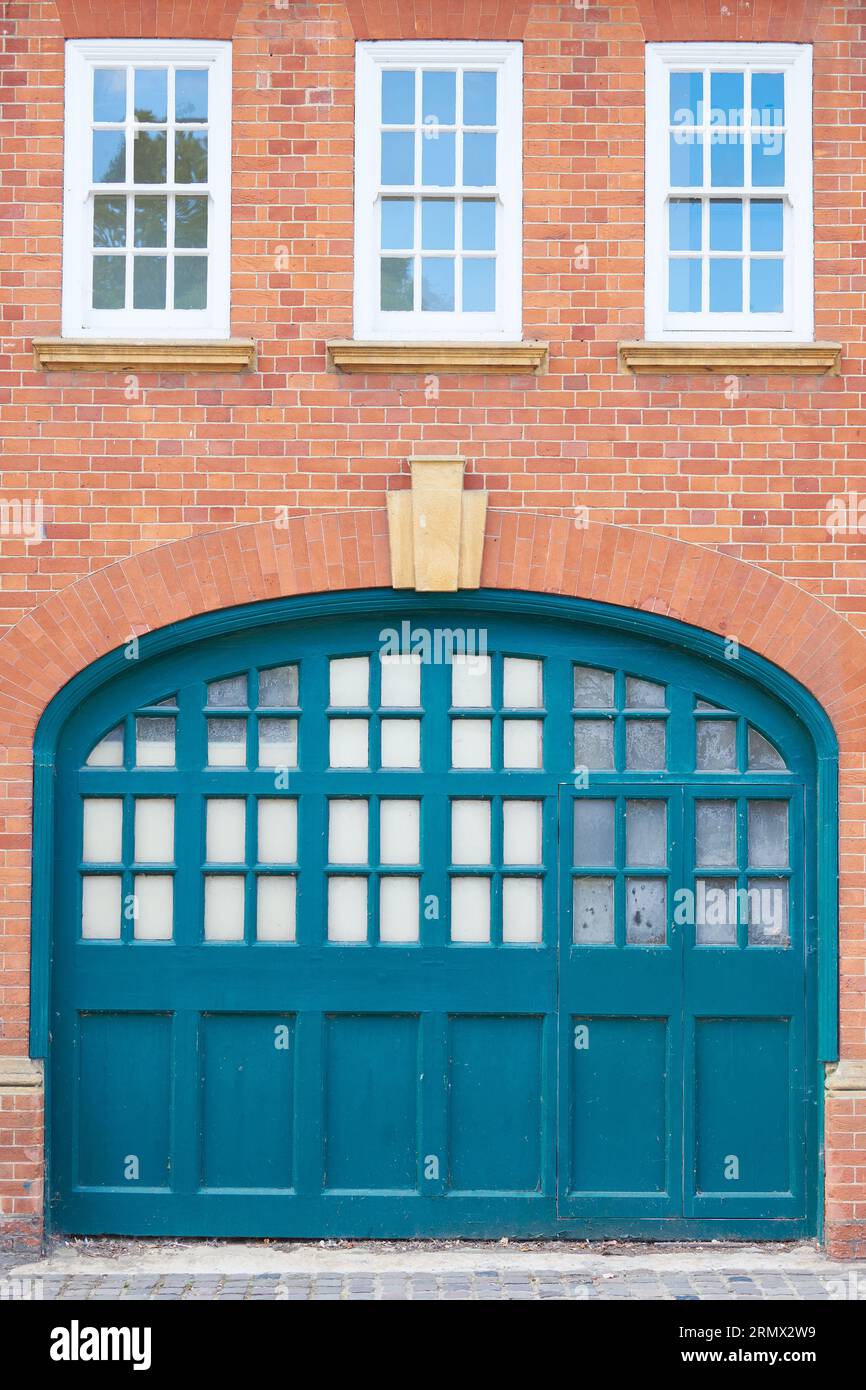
point(438, 190)
point(147, 189)
point(729, 192)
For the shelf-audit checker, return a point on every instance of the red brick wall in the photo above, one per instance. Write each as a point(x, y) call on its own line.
point(160, 493)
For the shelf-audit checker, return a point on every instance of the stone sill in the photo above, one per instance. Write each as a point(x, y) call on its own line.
point(737, 359)
point(350, 355)
point(112, 355)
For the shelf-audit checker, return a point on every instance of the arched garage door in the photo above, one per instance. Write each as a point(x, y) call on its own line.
point(509, 935)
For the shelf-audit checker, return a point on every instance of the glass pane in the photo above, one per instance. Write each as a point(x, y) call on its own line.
point(686, 98)
point(766, 226)
point(109, 156)
point(401, 742)
point(347, 909)
point(726, 286)
point(400, 832)
point(437, 284)
point(522, 743)
point(479, 224)
point(229, 692)
point(396, 289)
point(278, 743)
point(398, 909)
point(154, 742)
point(108, 752)
point(684, 224)
point(350, 682)
point(398, 157)
point(726, 98)
point(645, 744)
point(151, 94)
point(521, 679)
point(470, 832)
point(437, 224)
point(479, 98)
point(646, 833)
point(470, 909)
point(190, 282)
point(521, 909)
point(275, 907)
point(768, 160)
point(594, 833)
point(593, 911)
point(398, 97)
point(224, 907)
point(727, 159)
point(687, 159)
point(190, 156)
point(154, 830)
point(100, 907)
point(521, 832)
point(190, 94)
point(148, 282)
point(716, 911)
point(109, 94)
point(715, 833)
point(438, 98)
point(767, 287)
point(763, 757)
point(470, 681)
point(768, 98)
point(226, 830)
point(226, 742)
point(401, 681)
point(109, 221)
point(593, 743)
point(348, 743)
point(640, 694)
point(592, 689)
point(109, 282)
point(278, 687)
point(470, 743)
point(768, 912)
point(103, 830)
point(479, 160)
point(398, 224)
point(684, 286)
point(278, 831)
point(768, 834)
point(645, 911)
point(716, 745)
point(726, 224)
point(437, 159)
point(479, 286)
point(151, 221)
point(190, 221)
point(154, 903)
point(148, 156)
point(347, 831)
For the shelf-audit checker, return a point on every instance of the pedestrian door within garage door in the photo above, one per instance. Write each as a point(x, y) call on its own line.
point(507, 935)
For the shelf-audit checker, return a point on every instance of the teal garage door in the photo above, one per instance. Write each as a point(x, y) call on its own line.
point(476, 924)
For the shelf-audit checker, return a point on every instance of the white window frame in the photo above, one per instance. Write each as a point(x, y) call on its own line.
point(796, 322)
point(79, 319)
point(370, 321)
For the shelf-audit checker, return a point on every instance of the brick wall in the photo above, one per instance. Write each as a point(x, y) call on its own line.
point(704, 504)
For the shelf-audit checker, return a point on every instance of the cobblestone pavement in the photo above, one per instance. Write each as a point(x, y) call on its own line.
point(473, 1285)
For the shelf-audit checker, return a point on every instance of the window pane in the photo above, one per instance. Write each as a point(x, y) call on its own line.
point(109, 282)
point(399, 832)
point(646, 833)
point(190, 156)
point(522, 743)
point(154, 830)
point(470, 832)
point(148, 282)
point(726, 224)
point(521, 683)
point(397, 280)
point(225, 838)
point(401, 743)
point(109, 94)
point(275, 907)
point(108, 752)
point(437, 159)
point(347, 909)
point(479, 286)
point(479, 160)
point(190, 94)
point(109, 156)
point(224, 907)
point(437, 284)
point(716, 911)
point(151, 221)
point(226, 742)
point(766, 225)
point(763, 757)
point(727, 159)
point(470, 909)
point(479, 224)
point(726, 98)
point(684, 286)
point(593, 911)
point(715, 833)
point(470, 681)
point(398, 97)
point(594, 833)
point(148, 156)
point(470, 743)
point(768, 98)
point(439, 97)
point(686, 105)
point(766, 291)
point(521, 909)
point(640, 694)
point(277, 831)
point(521, 832)
point(592, 689)
point(109, 221)
point(437, 224)
point(348, 743)
point(716, 741)
point(687, 159)
point(398, 224)
point(279, 687)
point(231, 691)
point(401, 681)
point(684, 224)
point(768, 912)
point(349, 682)
point(278, 743)
point(154, 742)
point(190, 282)
point(593, 744)
point(100, 907)
point(726, 286)
point(768, 160)
point(398, 157)
point(154, 904)
point(151, 94)
point(398, 909)
point(347, 831)
point(479, 98)
point(645, 911)
point(645, 744)
point(103, 830)
point(190, 221)
point(768, 834)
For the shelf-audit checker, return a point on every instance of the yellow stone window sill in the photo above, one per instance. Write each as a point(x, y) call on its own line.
point(738, 359)
point(112, 355)
point(350, 355)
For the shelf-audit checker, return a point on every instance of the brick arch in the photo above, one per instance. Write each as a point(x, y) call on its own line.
point(349, 550)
